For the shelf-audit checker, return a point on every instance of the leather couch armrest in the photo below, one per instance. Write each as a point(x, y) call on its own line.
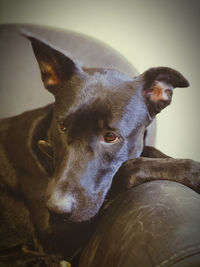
point(154, 224)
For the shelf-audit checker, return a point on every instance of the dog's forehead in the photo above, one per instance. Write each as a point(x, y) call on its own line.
point(103, 94)
point(105, 84)
point(112, 96)
point(107, 79)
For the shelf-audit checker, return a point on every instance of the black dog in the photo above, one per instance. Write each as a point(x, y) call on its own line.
point(60, 160)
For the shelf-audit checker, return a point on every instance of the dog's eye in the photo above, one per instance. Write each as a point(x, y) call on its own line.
point(62, 127)
point(110, 137)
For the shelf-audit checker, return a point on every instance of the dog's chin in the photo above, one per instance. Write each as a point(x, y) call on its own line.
point(79, 216)
point(74, 217)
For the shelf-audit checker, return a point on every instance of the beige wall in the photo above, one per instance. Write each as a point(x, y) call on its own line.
point(147, 32)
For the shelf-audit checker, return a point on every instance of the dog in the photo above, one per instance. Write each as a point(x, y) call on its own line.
point(58, 161)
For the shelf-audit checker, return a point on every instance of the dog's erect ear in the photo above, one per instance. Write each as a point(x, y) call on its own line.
point(55, 67)
point(158, 85)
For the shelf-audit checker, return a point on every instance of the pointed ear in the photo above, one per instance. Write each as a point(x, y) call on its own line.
point(55, 67)
point(158, 87)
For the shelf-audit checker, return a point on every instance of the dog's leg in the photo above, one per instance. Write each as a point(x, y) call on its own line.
point(140, 170)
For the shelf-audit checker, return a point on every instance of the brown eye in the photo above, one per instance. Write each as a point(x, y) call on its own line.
point(110, 137)
point(62, 127)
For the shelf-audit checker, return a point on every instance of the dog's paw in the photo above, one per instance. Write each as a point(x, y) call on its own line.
point(65, 264)
point(134, 172)
point(31, 258)
point(130, 174)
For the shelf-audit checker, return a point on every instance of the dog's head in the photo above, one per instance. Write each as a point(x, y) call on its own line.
point(99, 119)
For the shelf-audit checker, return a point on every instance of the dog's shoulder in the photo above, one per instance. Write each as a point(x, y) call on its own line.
point(15, 142)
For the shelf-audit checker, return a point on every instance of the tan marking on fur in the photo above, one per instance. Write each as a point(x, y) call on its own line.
point(64, 264)
point(160, 92)
point(34, 124)
point(47, 68)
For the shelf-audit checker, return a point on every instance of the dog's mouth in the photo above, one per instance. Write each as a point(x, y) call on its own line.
point(55, 218)
point(78, 213)
point(59, 219)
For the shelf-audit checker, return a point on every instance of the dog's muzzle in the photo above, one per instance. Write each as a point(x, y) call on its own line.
point(61, 204)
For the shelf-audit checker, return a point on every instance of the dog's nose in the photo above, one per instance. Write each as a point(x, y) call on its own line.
point(61, 204)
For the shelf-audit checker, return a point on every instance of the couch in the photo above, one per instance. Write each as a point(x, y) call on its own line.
point(153, 224)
